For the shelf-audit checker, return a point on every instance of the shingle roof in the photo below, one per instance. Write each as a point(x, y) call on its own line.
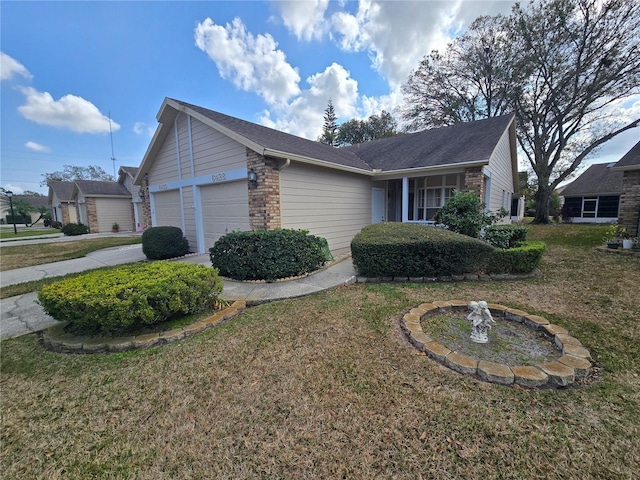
point(461, 143)
point(36, 201)
point(631, 158)
point(63, 190)
point(598, 179)
point(130, 170)
point(90, 188)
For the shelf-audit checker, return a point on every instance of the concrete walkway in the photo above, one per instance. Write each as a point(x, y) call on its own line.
point(21, 314)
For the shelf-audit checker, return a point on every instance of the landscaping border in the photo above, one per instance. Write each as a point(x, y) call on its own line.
point(574, 363)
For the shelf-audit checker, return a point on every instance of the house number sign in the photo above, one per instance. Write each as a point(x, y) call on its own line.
point(218, 177)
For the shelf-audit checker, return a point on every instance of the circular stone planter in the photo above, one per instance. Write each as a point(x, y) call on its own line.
point(573, 362)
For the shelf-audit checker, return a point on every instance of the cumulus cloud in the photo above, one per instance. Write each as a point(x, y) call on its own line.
point(140, 128)
point(13, 188)
point(10, 67)
point(306, 20)
point(252, 62)
point(37, 147)
point(70, 112)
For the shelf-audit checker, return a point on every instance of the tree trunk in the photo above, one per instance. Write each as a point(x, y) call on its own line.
point(543, 198)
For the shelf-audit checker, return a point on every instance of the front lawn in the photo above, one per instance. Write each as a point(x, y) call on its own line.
point(7, 234)
point(326, 386)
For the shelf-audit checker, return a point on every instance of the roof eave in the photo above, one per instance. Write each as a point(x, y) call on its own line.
point(428, 169)
point(623, 168)
point(267, 152)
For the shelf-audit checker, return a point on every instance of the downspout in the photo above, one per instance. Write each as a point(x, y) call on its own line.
point(285, 164)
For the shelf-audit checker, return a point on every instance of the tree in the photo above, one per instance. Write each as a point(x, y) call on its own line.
point(562, 66)
point(330, 127)
point(359, 131)
point(72, 172)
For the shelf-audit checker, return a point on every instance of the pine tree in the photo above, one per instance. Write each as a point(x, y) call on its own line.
point(330, 128)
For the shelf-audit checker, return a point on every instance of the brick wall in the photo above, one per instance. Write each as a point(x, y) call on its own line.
point(65, 212)
point(92, 215)
point(146, 205)
point(474, 181)
point(630, 202)
point(264, 200)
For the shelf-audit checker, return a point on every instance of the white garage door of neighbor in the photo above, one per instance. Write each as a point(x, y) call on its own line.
point(167, 207)
point(225, 208)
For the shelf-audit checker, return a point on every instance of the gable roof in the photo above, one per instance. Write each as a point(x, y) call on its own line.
point(630, 160)
point(36, 200)
point(598, 179)
point(63, 190)
point(472, 142)
point(97, 188)
point(131, 171)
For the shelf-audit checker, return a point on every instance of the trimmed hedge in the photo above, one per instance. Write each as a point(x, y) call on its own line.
point(131, 296)
point(73, 229)
point(524, 258)
point(505, 236)
point(161, 243)
point(268, 254)
point(410, 250)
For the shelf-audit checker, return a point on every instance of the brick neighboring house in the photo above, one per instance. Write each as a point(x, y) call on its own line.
point(101, 204)
point(629, 166)
point(198, 169)
point(62, 204)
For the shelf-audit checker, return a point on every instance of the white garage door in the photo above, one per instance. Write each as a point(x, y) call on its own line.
point(225, 208)
point(114, 210)
point(167, 209)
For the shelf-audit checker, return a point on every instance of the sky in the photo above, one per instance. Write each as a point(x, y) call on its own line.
point(82, 82)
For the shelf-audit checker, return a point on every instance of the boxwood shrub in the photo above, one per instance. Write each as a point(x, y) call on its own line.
point(523, 258)
point(72, 229)
point(410, 250)
point(505, 236)
point(130, 296)
point(160, 243)
point(268, 254)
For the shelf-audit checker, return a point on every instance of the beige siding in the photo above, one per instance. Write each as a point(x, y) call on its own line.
point(167, 209)
point(183, 142)
point(330, 204)
point(114, 210)
point(225, 208)
point(501, 175)
point(164, 168)
point(214, 152)
point(189, 218)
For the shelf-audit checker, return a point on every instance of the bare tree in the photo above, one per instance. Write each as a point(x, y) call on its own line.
point(72, 172)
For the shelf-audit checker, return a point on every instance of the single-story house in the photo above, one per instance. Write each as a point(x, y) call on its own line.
point(210, 173)
point(125, 178)
point(101, 204)
point(629, 166)
point(594, 197)
point(62, 204)
point(36, 201)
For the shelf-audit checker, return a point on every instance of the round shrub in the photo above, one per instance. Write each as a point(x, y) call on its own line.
point(465, 213)
point(160, 243)
point(505, 236)
point(268, 254)
point(130, 296)
point(72, 229)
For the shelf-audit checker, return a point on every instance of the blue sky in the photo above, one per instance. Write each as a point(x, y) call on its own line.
point(67, 66)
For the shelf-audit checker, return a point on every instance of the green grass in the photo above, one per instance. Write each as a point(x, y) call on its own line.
point(8, 234)
point(327, 386)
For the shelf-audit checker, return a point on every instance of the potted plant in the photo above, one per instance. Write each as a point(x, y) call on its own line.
point(615, 235)
point(115, 228)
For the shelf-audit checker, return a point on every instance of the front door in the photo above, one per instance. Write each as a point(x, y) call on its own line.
point(378, 204)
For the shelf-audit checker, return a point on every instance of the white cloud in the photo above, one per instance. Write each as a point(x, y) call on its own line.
point(140, 128)
point(305, 19)
point(15, 189)
point(37, 147)
point(70, 112)
point(252, 63)
point(10, 67)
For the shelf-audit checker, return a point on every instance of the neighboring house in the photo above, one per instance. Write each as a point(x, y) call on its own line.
point(594, 197)
point(125, 178)
point(629, 166)
point(34, 200)
point(101, 204)
point(62, 204)
point(195, 171)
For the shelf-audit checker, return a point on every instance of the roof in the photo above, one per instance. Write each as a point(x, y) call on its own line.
point(460, 143)
point(63, 190)
point(630, 160)
point(131, 171)
point(598, 179)
point(97, 188)
point(36, 200)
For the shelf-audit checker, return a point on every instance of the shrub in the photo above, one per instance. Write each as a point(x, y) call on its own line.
point(73, 229)
point(268, 254)
point(409, 250)
point(160, 243)
point(131, 296)
point(464, 213)
point(505, 236)
point(56, 224)
point(524, 258)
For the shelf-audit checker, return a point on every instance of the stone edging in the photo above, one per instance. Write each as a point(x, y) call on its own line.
point(453, 278)
point(57, 340)
point(574, 363)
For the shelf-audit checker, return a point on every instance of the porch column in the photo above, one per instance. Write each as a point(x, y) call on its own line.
point(405, 199)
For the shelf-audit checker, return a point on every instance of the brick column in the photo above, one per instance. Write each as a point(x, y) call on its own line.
point(146, 203)
point(64, 207)
point(474, 181)
point(630, 202)
point(92, 215)
point(264, 200)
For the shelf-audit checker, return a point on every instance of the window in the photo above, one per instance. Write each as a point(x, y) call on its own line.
point(432, 193)
point(608, 206)
point(589, 207)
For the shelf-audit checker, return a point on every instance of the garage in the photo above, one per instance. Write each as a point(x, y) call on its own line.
point(114, 210)
point(225, 208)
point(167, 209)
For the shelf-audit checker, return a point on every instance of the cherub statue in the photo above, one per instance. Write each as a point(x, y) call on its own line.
point(481, 321)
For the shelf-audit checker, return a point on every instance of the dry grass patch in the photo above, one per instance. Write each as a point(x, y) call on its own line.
point(327, 387)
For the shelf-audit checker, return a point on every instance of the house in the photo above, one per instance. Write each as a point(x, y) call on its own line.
point(594, 197)
point(63, 206)
point(101, 204)
point(209, 173)
point(126, 176)
point(36, 201)
point(629, 166)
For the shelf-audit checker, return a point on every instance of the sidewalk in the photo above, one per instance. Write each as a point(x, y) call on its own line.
point(21, 314)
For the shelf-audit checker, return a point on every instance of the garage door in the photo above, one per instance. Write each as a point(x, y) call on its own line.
point(167, 209)
point(114, 210)
point(225, 208)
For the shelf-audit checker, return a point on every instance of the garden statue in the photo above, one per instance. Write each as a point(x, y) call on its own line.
point(481, 321)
